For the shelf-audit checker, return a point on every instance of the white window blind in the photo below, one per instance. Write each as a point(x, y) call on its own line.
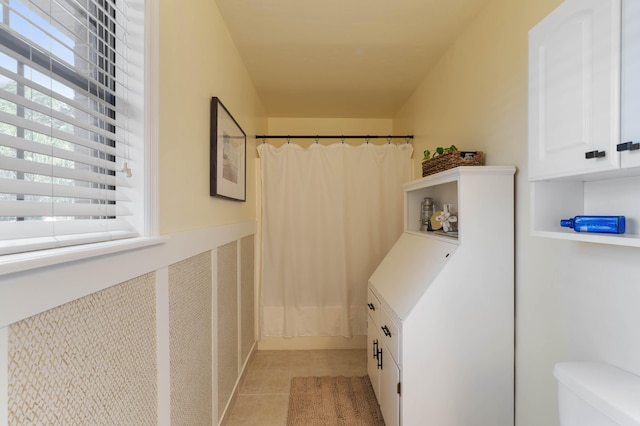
point(65, 143)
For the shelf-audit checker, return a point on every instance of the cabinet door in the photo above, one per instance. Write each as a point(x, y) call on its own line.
point(574, 89)
point(389, 398)
point(372, 357)
point(630, 81)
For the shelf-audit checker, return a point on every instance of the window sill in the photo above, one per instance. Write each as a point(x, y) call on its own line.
point(20, 262)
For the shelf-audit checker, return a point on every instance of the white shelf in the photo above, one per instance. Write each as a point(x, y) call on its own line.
point(629, 240)
point(443, 188)
point(559, 199)
point(439, 235)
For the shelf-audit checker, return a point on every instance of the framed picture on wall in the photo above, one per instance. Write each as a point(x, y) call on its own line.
point(228, 155)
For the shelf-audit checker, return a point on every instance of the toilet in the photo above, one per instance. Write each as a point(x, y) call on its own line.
point(595, 394)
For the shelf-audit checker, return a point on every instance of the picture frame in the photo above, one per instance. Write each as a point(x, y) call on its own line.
point(228, 151)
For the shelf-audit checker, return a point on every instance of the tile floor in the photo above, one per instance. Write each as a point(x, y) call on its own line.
point(263, 397)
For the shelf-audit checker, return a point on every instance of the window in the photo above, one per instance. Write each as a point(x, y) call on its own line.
point(70, 160)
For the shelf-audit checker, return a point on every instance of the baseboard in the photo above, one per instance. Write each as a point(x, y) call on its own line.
point(312, 343)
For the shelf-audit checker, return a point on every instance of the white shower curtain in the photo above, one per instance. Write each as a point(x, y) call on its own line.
point(329, 216)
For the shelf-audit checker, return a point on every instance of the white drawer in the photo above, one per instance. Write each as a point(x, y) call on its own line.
point(373, 306)
point(389, 333)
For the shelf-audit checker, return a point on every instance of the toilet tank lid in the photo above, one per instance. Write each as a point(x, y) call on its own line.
point(614, 392)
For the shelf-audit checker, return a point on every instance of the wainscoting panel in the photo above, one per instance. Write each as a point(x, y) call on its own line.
point(190, 341)
point(141, 337)
point(227, 322)
point(90, 361)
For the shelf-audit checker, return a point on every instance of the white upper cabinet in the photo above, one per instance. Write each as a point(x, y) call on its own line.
point(574, 89)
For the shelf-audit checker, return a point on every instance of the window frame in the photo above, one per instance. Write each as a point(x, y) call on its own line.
point(146, 210)
point(145, 216)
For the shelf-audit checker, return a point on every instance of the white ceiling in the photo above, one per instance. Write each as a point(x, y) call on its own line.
point(342, 58)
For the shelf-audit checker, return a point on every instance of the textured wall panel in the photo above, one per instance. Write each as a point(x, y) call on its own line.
point(247, 292)
point(88, 362)
point(227, 322)
point(190, 341)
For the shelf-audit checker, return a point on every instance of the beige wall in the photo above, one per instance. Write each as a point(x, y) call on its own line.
point(573, 301)
point(198, 61)
point(476, 96)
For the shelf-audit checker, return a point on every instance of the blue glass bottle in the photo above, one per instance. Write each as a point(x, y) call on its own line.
point(599, 224)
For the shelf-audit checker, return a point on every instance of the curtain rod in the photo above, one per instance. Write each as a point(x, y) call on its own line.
point(333, 137)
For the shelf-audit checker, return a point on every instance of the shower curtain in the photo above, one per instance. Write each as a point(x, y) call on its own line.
point(329, 216)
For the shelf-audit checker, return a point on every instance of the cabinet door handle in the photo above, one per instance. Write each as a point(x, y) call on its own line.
point(627, 146)
point(371, 306)
point(375, 349)
point(386, 331)
point(379, 359)
point(594, 154)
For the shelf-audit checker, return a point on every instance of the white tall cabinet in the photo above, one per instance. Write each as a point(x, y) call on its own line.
point(584, 130)
point(441, 307)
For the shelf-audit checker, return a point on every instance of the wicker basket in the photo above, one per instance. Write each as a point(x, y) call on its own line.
point(450, 160)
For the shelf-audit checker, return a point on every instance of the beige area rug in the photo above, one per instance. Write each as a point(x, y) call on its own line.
point(328, 401)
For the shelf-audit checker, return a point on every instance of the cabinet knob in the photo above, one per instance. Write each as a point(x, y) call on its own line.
point(386, 331)
point(375, 349)
point(379, 359)
point(371, 306)
point(627, 146)
point(594, 154)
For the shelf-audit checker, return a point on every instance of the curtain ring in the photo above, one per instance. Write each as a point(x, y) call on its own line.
point(407, 139)
point(367, 140)
point(288, 139)
point(264, 140)
point(389, 140)
point(342, 138)
point(317, 138)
